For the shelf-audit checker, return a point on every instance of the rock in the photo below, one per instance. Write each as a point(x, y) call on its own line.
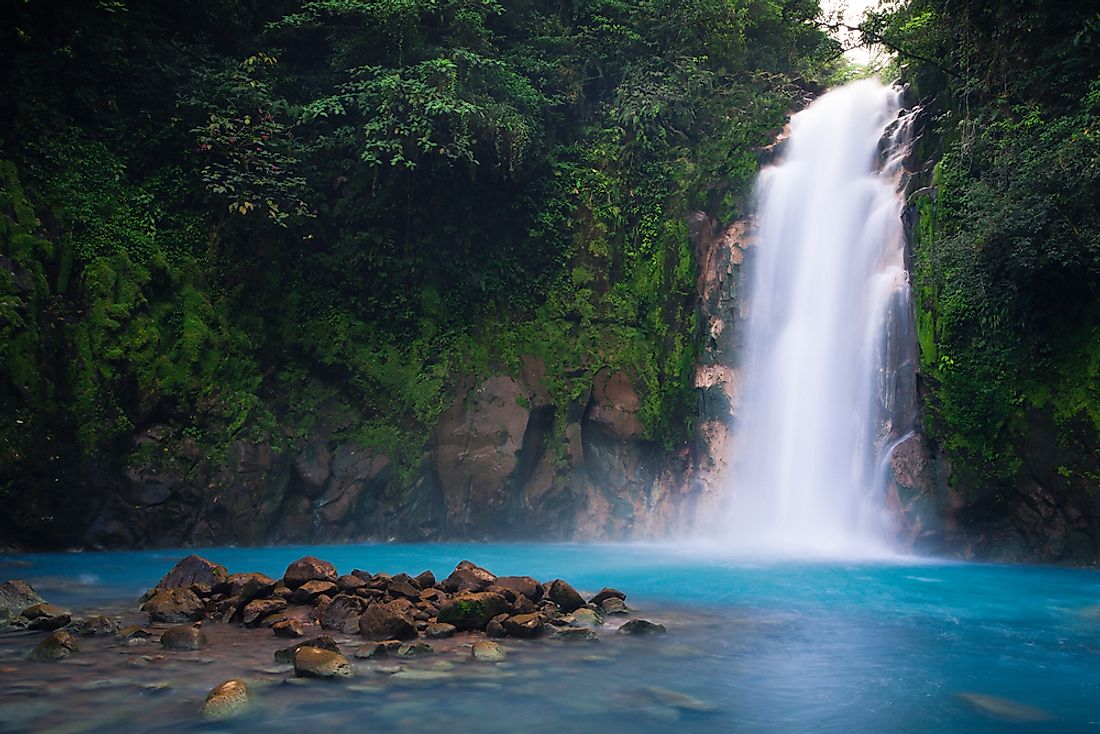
point(174, 606)
point(388, 621)
point(424, 580)
point(98, 626)
point(288, 628)
point(434, 596)
point(572, 634)
point(524, 585)
point(615, 405)
point(468, 576)
point(523, 605)
point(605, 594)
point(564, 595)
point(1002, 708)
point(192, 571)
point(495, 628)
point(350, 582)
point(15, 596)
point(227, 699)
point(311, 589)
point(254, 612)
point(414, 649)
point(59, 645)
point(523, 625)
point(585, 617)
point(342, 614)
point(314, 662)
point(372, 650)
point(46, 617)
point(404, 589)
point(183, 638)
point(642, 627)
point(472, 610)
point(488, 652)
point(324, 642)
point(614, 605)
point(439, 630)
point(133, 632)
point(677, 700)
point(309, 568)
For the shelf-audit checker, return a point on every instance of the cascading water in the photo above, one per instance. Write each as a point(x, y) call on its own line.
point(827, 365)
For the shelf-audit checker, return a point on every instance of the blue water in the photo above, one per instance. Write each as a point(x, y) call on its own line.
point(759, 646)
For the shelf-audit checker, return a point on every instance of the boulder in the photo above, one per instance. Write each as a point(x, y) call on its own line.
point(405, 589)
point(98, 626)
point(372, 650)
point(46, 617)
point(564, 595)
point(174, 606)
point(314, 662)
point(342, 614)
point(468, 576)
point(388, 621)
point(642, 627)
point(495, 628)
point(309, 568)
point(185, 637)
point(606, 593)
point(311, 589)
point(59, 645)
point(246, 586)
point(15, 596)
point(472, 610)
point(288, 628)
point(614, 605)
point(523, 605)
point(487, 651)
point(350, 582)
point(585, 617)
point(192, 571)
point(324, 642)
point(255, 611)
point(439, 630)
point(424, 580)
point(523, 625)
point(524, 585)
point(226, 699)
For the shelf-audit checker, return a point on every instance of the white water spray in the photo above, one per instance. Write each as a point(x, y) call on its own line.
point(827, 363)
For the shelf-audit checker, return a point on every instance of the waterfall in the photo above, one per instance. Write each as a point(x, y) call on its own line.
point(828, 380)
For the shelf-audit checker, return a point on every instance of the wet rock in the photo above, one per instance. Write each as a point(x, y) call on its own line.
point(523, 625)
point(308, 591)
point(134, 632)
point(472, 610)
point(255, 611)
point(15, 596)
point(468, 576)
point(585, 617)
point(183, 638)
point(414, 649)
point(525, 585)
point(324, 642)
point(424, 580)
point(174, 606)
point(388, 621)
point(495, 628)
point(46, 617)
point(192, 571)
point(227, 699)
point(614, 605)
point(605, 594)
point(98, 626)
point(314, 662)
point(309, 568)
point(372, 650)
point(342, 614)
point(288, 628)
point(642, 627)
point(59, 645)
point(350, 583)
point(564, 595)
point(573, 634)
point(439, 630)
point(488, 652)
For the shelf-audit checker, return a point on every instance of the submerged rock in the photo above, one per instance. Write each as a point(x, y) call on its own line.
point(183, 638)
point(414, 649)
point(174, 606)
point(313, 662)
point(46, 617)
point(642, 627)
point(1003, 708)
point(227, 699)
point(488, 652)
point(564, 595)
point(573, 634)
point(57, 646)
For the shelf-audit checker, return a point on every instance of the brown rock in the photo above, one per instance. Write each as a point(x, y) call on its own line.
point(314, 662)
point(15, 596)
point(285, 656)
point(342, 614)
point(614, 605)
point(174, 606)
point(183, 638)
point(59, 645)
point(309, 568)
point(192, 571)
point(605, 594)
point(413, 649)
point(254, 611)
point(350, 582)
point(523, 626)
point(424, 580)
point(468, 576)
point(227, 699)
point(642, 627)
point(434, 596)
point(372, 650)
point(615, 405)
point(98, 626)
point(564, 595)
point(472, 610)
point(488, 652)
point(311, 589)
point(404, 589)
point(495, 628)
point(439, 630)
point(46, 617)
point(523, 605)
point(387, 621)
point(245, 585)
point(524, 585)
point(288, 628)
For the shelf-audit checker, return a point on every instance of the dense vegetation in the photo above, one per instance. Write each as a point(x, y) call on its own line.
point(225, 218)
point(1007, 258)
